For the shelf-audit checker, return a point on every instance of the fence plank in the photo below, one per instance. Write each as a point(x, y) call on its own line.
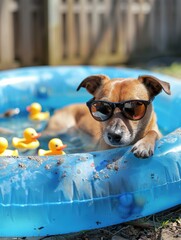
point(108, 27)
point(84, 29)
point(163, 25)
point(55, 42)
point(178, 19)
point(70, 30)
point(26, 33)
point(130, 33)
point(151, 31)
point(7, 55)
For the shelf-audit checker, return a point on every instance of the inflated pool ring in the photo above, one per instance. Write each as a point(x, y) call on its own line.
point(42, 196)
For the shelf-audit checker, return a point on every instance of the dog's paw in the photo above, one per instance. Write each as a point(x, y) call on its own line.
point(143, 149)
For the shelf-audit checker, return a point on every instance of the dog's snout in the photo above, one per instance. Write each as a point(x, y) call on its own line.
point(114, 138)
point(114, 133)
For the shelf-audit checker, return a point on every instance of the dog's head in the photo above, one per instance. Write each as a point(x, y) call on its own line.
point(123, 105)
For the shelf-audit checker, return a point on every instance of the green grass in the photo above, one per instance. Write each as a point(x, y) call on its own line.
point(173, 70)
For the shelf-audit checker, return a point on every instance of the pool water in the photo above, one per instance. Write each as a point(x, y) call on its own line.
point(76, 142)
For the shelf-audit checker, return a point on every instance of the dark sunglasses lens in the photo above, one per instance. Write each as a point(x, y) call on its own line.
point(134, 110)
point(101, 111)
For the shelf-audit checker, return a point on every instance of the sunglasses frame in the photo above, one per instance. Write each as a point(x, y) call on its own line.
point(119, 105)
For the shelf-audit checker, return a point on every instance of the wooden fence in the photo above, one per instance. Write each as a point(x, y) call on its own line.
point(38, 32)
point(23, 33)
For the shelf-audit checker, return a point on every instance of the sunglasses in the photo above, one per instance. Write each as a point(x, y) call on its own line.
point(103, 110)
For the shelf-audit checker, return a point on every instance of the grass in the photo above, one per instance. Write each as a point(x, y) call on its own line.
point(173, 70)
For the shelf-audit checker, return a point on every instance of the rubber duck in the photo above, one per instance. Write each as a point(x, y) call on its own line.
point(55, 146)
point(29, 141)
point(3, 148)
point(35, 112)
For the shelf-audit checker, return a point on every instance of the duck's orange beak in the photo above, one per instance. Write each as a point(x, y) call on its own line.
point(28, 108)
point(62, 147)
point(36, 136)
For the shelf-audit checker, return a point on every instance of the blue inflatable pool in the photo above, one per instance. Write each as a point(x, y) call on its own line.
point(42, 196)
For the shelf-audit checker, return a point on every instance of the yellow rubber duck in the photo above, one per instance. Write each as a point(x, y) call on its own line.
point(35, 112)
point(55, 148)
point(3, 148)
point(29, 141)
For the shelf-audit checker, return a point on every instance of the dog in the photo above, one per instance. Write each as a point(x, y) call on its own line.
point(119, 114)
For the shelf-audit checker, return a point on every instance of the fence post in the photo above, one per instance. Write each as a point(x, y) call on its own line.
point(84, 29)
point(130, 27)
point(26, 37)
point(7, 58)
point(54, 32)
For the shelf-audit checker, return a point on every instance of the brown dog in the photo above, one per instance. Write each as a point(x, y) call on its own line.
point(122, 113)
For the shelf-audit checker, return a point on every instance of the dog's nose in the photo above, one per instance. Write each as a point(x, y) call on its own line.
point(114, 138)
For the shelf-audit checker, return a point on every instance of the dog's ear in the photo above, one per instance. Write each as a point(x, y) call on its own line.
point(155, 85)
point(93, 82)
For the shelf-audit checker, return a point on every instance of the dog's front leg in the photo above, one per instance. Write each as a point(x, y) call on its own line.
point(144, 148)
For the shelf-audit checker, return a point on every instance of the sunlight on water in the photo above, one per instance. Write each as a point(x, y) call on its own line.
point(76, 143)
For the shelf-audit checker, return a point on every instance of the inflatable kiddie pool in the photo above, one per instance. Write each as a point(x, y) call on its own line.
point(42, 196)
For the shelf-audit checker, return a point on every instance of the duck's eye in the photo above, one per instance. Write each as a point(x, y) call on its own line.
point(56, 145)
